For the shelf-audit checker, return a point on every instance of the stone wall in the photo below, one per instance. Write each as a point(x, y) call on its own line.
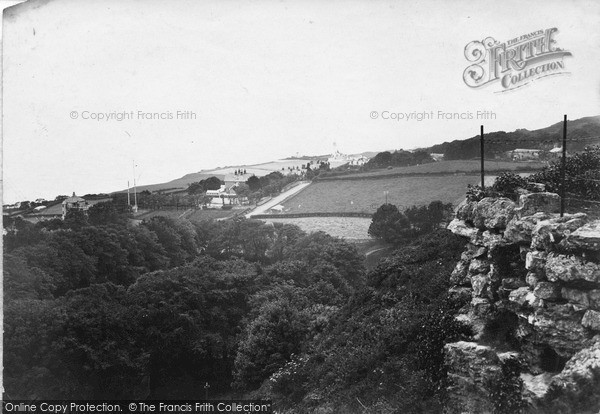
point(533, 281)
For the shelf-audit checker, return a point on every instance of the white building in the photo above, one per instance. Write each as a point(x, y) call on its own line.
point(74, 203)
point(523, 154)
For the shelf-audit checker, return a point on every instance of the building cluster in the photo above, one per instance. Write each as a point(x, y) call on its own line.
point(337, 157)
point(526, 154)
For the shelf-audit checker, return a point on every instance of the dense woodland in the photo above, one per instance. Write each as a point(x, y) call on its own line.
point(96, 307)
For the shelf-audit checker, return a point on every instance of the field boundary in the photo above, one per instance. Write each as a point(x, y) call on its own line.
point(301, 215)
point(356, 177)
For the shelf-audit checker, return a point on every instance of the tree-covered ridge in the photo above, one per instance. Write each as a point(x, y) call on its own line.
point(398, 158)
point(500, 141)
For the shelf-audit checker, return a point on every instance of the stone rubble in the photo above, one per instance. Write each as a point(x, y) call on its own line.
point(545, 271)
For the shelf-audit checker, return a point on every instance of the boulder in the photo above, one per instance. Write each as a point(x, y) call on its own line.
point(491, 241)
point(591, 320)
point(579, 298)
point(533, 278)
point(493, 213)
point(470, 366)
point(585, 237)
point(464, 211)
point(535, 260)
point(488, 240)
point(594, 298)
point(549, 232)
point(476, 252)
point(479, 266)
point(459, 276)
point(535, 387)
point(576, 387)
point(460, 228)
point(518, 230)
point(494, 274)
point(559, 327)
point(480, 283)
point(571, 268)
point(519, 296)
point(547, 291)
point(537, 202)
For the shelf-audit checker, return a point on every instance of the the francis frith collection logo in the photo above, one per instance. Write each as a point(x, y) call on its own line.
point(515, 62)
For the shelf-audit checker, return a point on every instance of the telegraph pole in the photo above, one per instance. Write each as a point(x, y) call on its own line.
point(564, 167)
point(135, 205)
point(482, 161)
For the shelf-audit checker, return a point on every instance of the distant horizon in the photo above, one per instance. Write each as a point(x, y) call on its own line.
point(210, 170)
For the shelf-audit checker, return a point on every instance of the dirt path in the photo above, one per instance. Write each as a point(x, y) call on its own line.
point(278, 199)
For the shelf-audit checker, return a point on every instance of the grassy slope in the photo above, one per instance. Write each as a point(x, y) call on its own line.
point(367, 195)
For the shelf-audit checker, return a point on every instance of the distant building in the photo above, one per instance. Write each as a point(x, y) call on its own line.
point(436, 157)
point(74, 203)
point(223, 196)
point(233, 180)
point(523, 154)
point(15, 206)
point(339, 158)
point(555, 152)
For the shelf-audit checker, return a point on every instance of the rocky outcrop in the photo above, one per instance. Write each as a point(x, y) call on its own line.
point(470, 366)
point(544, 270)
point(577, 388)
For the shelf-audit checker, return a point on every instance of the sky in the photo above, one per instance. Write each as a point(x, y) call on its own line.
point(257, 80)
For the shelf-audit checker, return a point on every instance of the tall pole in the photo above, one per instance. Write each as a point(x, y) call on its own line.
point(482, 162)
point(564, 167)
point(128, 196)
point(135, 206)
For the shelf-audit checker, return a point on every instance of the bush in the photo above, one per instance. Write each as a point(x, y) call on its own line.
point(582, 174)
point(507, 185)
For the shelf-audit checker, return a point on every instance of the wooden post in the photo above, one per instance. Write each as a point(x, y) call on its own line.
point(564, 167)
point(482, 162)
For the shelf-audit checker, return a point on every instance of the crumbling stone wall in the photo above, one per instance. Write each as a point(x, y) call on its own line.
point(533, 280)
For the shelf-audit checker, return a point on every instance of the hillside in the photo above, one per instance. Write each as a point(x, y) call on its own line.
point(580, 133)
point(257, 169)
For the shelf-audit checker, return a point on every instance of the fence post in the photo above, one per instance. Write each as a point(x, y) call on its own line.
point(564, 167)
point(482, 162)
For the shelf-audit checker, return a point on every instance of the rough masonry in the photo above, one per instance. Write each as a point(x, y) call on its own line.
point(532, 281)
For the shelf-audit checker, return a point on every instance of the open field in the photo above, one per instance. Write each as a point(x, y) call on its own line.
point(446, 167)
point(351, 228)
point(367, 195)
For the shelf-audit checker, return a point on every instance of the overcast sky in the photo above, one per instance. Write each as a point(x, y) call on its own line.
point(265, 79)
